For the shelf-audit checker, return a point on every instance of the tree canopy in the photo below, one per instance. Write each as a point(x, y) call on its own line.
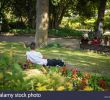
point(25, 10)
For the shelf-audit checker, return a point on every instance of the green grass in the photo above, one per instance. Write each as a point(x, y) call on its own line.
point(83, 60)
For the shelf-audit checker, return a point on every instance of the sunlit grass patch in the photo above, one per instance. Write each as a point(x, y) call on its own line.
point(83, 60)
point(51, 78)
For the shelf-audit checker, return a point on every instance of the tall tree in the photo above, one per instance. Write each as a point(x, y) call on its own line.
point(57, 9)
point(4, 6)
point(42, 19)
point(24, 9)
point(100, 19)
point(86, 8)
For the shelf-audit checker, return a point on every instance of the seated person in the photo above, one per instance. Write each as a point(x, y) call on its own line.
point(37, 58)
point(106, 39)
point(84, 40)
point(95, 41)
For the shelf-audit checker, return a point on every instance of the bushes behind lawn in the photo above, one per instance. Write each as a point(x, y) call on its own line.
point(65, 32)
point(26, 31)
point(59, 32)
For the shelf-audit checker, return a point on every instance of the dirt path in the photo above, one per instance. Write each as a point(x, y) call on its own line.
point(17, 38)
point(69, 43)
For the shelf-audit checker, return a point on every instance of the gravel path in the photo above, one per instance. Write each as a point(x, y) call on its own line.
point(17, 38)
point(69, 43)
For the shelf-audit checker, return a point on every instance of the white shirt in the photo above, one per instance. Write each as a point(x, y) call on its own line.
point(36, 57)
point(100, 28)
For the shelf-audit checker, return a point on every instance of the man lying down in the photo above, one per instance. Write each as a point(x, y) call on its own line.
point(37, 58)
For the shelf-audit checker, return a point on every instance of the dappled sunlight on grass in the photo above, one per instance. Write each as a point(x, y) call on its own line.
point(55, 51)
point(13, 49)
point(87, 62)
point(83, 60)
point(68, 52)
point(32, 73)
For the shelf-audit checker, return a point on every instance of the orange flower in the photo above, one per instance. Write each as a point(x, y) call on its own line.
point(84, 81)
point(74, 77)
point(64, 69)
point(87, 75)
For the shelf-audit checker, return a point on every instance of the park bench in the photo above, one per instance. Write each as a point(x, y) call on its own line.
point(99, 46)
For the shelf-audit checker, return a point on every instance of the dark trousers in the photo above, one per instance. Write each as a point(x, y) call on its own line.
point(54, 62)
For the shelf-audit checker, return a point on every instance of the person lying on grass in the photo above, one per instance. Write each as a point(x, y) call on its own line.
point(37, 58)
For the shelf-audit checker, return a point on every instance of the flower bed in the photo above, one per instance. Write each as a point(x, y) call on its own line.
point(51, 79)
point(39, 78)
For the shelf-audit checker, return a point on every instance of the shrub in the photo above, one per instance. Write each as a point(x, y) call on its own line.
point(22, 31)
point(65, 32)
point(53, 45)
point(16, 25)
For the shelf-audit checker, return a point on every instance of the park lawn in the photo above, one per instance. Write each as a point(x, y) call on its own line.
point(83, 60)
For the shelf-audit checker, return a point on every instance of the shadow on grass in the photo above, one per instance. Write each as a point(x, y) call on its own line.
point(84, 61)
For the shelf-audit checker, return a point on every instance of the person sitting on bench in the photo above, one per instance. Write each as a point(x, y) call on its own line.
point(37, 58)
point(95, 41)
point(84, 41)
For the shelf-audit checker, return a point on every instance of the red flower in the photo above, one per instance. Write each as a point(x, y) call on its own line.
point(102, 83)
point(74, 71)
point(25, 66)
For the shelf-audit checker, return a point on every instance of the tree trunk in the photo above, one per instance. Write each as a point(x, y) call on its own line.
point(53, 15)
point(100, 19)
point(29, 13)
point(30, 16)
point(56, 13)
point(41, 35)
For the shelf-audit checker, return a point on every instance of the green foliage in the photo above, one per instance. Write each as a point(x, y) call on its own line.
point(53, 69)
point(86, 8)
point(24, 11)
point(107, 21)
point(55, 2)
point(49, 82)
point(93, 82)
point(16, 25)
point(78, 22)
point(27, 31)
point(21, 11)
point(14, 79)
point(12, 74)
point(53, 45)
point(4, 62)
point(69, 73)
point(65, 32)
